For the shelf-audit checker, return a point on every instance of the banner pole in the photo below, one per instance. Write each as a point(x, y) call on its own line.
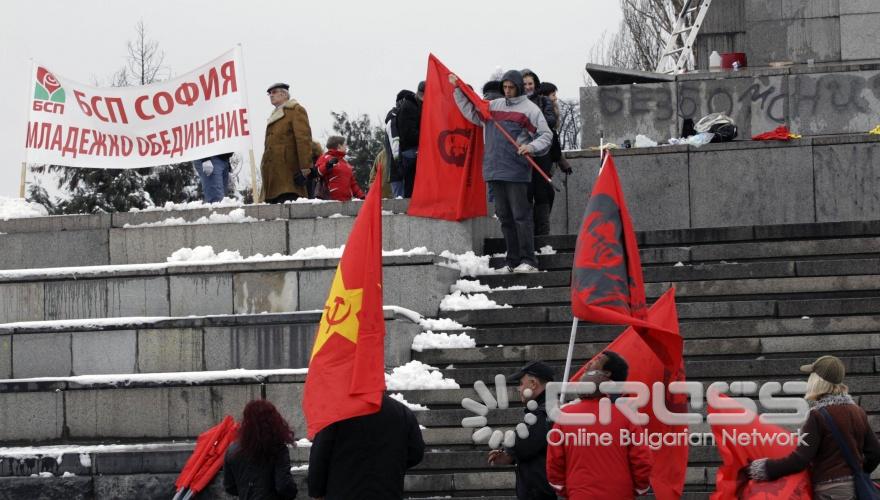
point(23, 177)
point(254, 177)
point(574, 326)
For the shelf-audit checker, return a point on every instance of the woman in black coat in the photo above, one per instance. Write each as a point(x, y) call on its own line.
point(257, 464)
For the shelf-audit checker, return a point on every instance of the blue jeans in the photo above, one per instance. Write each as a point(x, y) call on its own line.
point(397, 189)
point(214, 185)
point(408, 160)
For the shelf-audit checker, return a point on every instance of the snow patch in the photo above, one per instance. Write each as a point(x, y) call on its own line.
point(125, 379)
point(546, 250)
point(456, 301)
point(299, 467)
point(338, 216)
point(469, 263)
point(442, 324)
point(303, 443)
point(474, 286)
point(58, 451)
point(442, 340)
point(68, 474)
point(19, 208)
point(412, 406)
point(236, 216)
point(43, 474)
point(191, 205)
point(416, 375)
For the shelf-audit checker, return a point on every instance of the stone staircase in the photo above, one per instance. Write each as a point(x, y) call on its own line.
point(755, 303)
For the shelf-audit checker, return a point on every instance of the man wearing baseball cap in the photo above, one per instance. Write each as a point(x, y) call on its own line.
point(530, 453)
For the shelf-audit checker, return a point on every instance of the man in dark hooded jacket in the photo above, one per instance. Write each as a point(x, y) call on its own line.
point(366, 457)
point(409, 115)
point(542, 193)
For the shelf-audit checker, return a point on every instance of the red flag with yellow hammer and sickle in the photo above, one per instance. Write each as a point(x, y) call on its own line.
point(347, 369)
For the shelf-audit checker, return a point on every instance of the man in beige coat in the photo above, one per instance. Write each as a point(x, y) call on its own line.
point(287, 158)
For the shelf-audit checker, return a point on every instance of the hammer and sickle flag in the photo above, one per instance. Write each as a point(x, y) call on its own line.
point(347, 367)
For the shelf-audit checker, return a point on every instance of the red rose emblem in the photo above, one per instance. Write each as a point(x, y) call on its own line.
point(47, 80)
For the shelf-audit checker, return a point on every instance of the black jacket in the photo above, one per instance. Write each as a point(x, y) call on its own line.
point(366, 458)
point(546, 106)
point(530, 456)
point(250, 480)
point(409, 114)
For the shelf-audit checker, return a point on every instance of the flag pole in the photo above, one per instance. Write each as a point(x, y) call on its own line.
point(256, 195)
point(528, 157)
point(23, 177)
point(574, 321)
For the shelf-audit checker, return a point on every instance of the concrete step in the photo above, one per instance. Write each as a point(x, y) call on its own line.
point(190, 344)
point(413, 282)
point(544, 314)
point(696, 272)
point(718, 234)
point(690, 329)
point(743, 347)
point(867, 285)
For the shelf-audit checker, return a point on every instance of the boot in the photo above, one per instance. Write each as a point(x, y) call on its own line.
point(542, 219)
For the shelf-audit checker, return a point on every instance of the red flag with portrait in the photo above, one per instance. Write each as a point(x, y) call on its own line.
point(606, 278)
point(449, 184)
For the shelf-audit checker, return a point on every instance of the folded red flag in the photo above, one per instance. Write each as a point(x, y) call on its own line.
point(780, 133)
point(450, 182)
point(730, 484)
point(655, 355)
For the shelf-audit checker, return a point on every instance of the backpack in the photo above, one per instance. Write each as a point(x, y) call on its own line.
point(322, 190)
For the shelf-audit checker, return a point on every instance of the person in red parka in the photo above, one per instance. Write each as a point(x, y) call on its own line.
point(337, 173)
point(593, 461)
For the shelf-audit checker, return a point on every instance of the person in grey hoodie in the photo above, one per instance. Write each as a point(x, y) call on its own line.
point(505, 167)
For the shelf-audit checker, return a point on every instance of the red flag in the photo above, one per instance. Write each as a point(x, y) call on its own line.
point(449, 184)
point(207, 457)
point(730, 485)
point(606, 278)
point(655, 355)
point(346, 372)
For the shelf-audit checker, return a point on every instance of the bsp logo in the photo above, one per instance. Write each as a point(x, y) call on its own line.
point(49, 96)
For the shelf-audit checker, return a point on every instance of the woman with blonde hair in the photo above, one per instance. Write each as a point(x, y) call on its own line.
point(838, 444)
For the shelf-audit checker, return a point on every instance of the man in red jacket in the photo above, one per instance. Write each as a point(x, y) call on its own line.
point(336, 173)
point(592, 461)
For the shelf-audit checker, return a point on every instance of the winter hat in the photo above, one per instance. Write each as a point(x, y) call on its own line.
point(546, 88)
point(830, 368)
point(515, 77)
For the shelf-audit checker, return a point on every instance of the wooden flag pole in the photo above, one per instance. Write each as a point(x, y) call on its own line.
point(254, 177)
point(23, 178)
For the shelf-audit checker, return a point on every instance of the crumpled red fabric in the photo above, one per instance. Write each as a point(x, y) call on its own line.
point(780, 133)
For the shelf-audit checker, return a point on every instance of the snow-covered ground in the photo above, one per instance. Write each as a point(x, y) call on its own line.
point(416, 375)
point(469, 263)
point(207, 254)
point(474, 286)
point(191, 205)
point(457, 301)
point(442, 340)
point(123, 379)
point(84, 451)
point(18, 208)
point(233, 217)
point(412, 406)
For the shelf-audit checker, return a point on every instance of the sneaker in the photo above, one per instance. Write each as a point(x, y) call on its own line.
point(525, 268)
point(504, 270)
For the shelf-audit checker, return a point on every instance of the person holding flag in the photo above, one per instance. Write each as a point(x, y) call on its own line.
point(505, 167)
point(363, 441)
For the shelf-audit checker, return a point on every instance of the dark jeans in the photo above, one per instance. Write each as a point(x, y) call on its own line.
point(542, 195)
point(515, 214)
point(408, 170)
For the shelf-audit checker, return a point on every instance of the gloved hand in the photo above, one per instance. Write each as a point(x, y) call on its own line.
point(207, 168)
point(332, 163)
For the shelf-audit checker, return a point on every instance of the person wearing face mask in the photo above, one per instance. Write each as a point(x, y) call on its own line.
point(529, 454)
point(578, 469)
point(541, 193)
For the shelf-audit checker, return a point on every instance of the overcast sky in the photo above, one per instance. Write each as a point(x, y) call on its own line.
point(349, 55)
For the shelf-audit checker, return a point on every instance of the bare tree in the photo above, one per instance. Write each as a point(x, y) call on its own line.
point(569, 123)
point(145, 62)
point(641, 36)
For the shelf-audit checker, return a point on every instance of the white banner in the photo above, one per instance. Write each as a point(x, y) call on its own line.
point(199, 114)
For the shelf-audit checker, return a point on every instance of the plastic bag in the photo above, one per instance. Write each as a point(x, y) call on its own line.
point(700, 139)
point(643, 141)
